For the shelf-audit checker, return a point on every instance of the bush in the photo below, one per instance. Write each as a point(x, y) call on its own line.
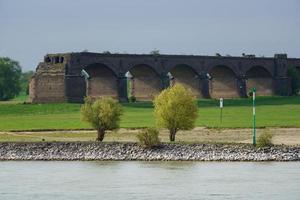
point(175, 108)
point(265, 139)
point(132, 99)
point(148, 137)
point(103, 114)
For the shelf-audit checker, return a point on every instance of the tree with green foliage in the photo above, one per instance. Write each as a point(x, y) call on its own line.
point(103, 114)
point(294, 74)
point(175, 108)
point(24, 81)
point(10, 73)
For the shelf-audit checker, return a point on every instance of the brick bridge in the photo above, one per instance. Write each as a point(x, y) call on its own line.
point(58, 78)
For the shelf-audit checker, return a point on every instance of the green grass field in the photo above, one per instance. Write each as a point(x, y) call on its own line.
point(237, 113)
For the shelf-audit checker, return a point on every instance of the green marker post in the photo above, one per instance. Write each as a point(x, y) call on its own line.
point(254, 117)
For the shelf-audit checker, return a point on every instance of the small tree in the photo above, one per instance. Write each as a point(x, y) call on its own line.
point(148, 137)
point(154, 52)
point(175, 109)
point(103, 114)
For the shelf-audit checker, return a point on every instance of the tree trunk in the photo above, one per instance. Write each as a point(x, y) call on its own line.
point(172, 135)
point(101, 133)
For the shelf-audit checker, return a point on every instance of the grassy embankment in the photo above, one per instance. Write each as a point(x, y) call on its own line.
point(237, 113)
point(271, 112)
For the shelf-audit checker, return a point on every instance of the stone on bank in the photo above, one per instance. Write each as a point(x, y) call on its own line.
point(133, 151)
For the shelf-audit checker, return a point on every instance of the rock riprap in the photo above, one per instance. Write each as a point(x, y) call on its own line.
point(133, 151)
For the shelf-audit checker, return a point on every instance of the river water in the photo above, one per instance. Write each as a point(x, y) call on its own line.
point(148, 180)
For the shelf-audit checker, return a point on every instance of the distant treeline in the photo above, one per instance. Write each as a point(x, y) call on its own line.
point(12, 80)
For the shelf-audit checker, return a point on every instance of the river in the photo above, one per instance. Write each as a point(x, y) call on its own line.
point(148, 180)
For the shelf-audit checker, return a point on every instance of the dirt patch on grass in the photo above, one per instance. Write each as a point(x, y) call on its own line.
point(287, 136)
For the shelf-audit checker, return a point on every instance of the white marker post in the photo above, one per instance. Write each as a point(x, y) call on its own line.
point(254, 118)
point(221, 109)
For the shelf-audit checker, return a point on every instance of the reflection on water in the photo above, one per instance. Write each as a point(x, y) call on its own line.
point(149, 180)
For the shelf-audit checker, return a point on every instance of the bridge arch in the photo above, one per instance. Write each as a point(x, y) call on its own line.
point(223, 82)
point(260, 78)
point(103, 81)
point(263, 65)
point(144, 82)
point(188, 77)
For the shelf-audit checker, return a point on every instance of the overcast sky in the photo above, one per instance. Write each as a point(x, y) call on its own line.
point(32, 28)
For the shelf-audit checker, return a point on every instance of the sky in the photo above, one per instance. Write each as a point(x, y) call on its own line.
point(30, 29)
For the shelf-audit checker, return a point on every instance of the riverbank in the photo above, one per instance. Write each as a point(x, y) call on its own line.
point(201, 135)
point(132, 151)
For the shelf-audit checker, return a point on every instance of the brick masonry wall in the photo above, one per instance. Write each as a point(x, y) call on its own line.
point(264, 86)
point(146, 84)
point(223, 83)
point(103, 82)
point(146, 88)
point(102, 86)
point(188, 78)
point(32, 90)
point(260, 79)
point(48, 84)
